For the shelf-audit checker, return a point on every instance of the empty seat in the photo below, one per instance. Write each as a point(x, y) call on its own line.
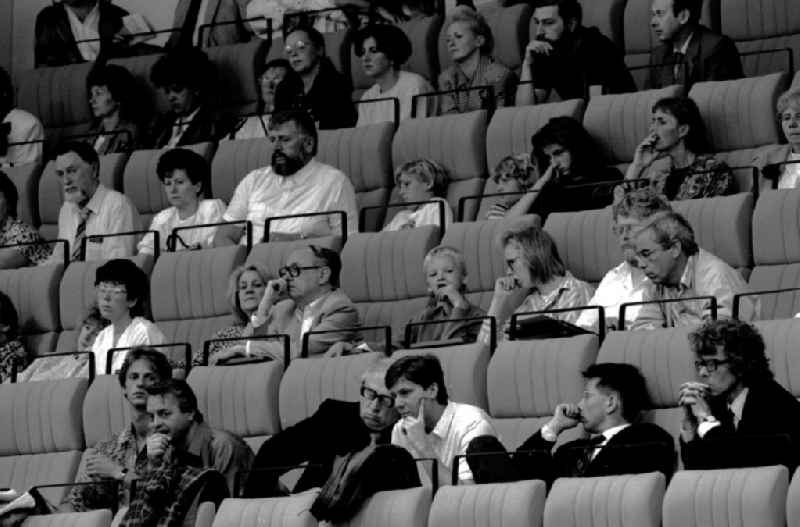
point(611, 501)
point(607, 16)
point(423, 34)
point(99, 518)
point(233, 160)
point(729, 498)
point(527, 379)
point(291, 511)
point(517, 504)
point(26, 180)
point(237, 66)
point(394, 508)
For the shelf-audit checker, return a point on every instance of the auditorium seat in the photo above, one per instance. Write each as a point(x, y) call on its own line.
point(793, 501)
point(527, 379)
point(105, 410)
point(607, 16)
point(394, 508)
point(364, 155)
point(796, 80)
point(780, 340)
point(188, 293)
point(611, 501)
point(34, 293)
point(727, 498)
point(291, 511)
point(308, 382)
point(740, 117)
point(41, 438)
point(758, 26)
point(776, 250)
point(424, 35)
point(26, 180)
point(519, 504)
point(98, 518)
point(464, 369)
point(141, 183)
point(241, 399)
point(457, 142)
point(233, 160)
point(510, 132)
point(237, 67)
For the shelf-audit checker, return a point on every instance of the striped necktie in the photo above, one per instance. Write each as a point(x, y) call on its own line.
point(80, 233)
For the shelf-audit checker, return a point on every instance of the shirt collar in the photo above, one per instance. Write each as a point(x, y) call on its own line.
point(737, 405)
point(614, 430)
point(90, 17)
point(687, 278)
point(97, 198)
point(197, 437)
point(444, 423)
point(682, 50)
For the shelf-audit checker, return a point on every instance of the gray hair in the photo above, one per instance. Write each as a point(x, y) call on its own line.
point(671, 227)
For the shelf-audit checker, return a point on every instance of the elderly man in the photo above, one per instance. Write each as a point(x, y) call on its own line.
point(735, 413)
point(294, 183)
point(677, 268)
point(90, 208)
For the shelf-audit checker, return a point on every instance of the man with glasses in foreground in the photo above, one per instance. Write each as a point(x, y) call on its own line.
point(679, 269)
point(735, 413)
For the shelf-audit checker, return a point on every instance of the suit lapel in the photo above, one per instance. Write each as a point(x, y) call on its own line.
point(64, 31)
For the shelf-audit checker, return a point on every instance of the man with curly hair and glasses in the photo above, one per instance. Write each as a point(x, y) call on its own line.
point(735, 413)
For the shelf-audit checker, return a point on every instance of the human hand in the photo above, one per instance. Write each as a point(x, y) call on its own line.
point(413, 426)
point(121, 36)
point(449, 293)
point(694, 397)
point(646, 152)
point(537, 47)
point(339, 348)
point(688, 425)
point(156, 445)
point(100, 466)
point(566, 416)
point(277, 289)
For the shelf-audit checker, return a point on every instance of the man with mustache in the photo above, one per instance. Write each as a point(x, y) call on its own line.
point(294, 183)
point(568, 57)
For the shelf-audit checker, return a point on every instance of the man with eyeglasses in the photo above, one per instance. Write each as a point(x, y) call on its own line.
point(679, 269)
point(336, 429)
point(735, 413)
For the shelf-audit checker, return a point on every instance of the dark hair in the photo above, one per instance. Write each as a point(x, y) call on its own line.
point(9, 192)
point(157, 360)
point(124, 272)
point(389, 40)
point(640, 204)
point(694, 7)
point(424, 370)
point(301, 118)
point(314, 36)
point(195, 166)
point(539, 251)
point(82, 149)
point(571, 135)
point(290, 92)
point(627, 381)
point(188, 67)
point(685, 111)
point(332, 261)
point(670, 227)
point(8, 316)
point(121, 85)
point(743, 346)
point(567, 9)
point(180, 389)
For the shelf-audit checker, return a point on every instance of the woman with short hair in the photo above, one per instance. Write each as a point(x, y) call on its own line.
point(788, 175)
point(115, 110)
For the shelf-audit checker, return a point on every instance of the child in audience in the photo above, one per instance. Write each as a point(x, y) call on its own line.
point(11, 349)
point(421, 180)
point(512, 174)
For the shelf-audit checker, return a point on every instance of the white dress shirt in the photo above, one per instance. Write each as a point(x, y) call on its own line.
point(24, 127)
point(208, 211)
point(140, 332)
point(86, 30)
point(790, 178)
point(425, 215)
point(624, 283)
point(607, 435)
point(316, 187)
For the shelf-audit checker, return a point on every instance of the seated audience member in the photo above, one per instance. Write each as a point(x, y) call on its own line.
point(445, 272)
point(625, 282)
point(305, 298)
point(678, 268)
point(512, 174)
point(566, 156)
point(12, 352)
point(112, 98)
point(347, 427)
point(90, 208)
point(735, 399)
point(118, 458)
point(185, 176)
point(294, 183)
point(673, 155)
point(225, 21)
point(327, 92)
point(13, 231)
point(609, 411)
point(470, 43)
point(421, 180)
point(187, 79)
point(383, 49)
point(431, 425)
point(536, 280)
point(45, 368)
point(74, 31)
point(246, 288)
point(17, 126)
point(122, 297)
point(788, 175)
point(689, 52)
point(301, 12)
point(280, 89)
point(568, 58)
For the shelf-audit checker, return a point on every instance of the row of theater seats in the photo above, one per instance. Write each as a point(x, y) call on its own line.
point(739, 115)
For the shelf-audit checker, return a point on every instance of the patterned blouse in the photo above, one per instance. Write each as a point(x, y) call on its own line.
point(11, 351)
point(489, 73)
point(235, 331)
point(14, 231)
point(715, 179)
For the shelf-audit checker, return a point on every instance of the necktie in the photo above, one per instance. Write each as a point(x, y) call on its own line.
point(586, 454)
point(677, 67)
point(80, 233)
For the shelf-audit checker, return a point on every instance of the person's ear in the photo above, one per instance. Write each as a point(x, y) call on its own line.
point(572, 24)
point(480, 40)
point(308, 145)
point(612, 403)
point(683, 17)
point(432, 391)
point(683, 130)
point(675, 249)
point(325, 275)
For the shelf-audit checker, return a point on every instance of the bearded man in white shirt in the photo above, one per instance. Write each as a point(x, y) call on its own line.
point(294, 183)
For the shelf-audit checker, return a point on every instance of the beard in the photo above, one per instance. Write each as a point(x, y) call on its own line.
point(284, 165)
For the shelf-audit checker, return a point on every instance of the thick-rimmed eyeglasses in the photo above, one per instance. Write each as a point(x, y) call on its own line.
point(384, 401)
point(294, 270)
point(710, 365)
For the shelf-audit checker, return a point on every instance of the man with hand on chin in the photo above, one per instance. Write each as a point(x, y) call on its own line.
point(432, 426)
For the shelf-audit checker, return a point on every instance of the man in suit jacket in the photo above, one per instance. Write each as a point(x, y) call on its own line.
point(736, 414)
point(337, 428)
point(689, 52)
point(227, 17)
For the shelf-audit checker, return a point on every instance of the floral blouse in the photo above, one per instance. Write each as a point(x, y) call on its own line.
point(715, 178)
point(14, 231)
point(235, 331)
point(11, 351)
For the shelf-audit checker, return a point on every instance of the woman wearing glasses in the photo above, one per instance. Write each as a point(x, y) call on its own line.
point(184, 175)
point(122, 297)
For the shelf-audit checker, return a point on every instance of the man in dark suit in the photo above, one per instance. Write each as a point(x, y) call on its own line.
point(736, 414)
point(689, 52)
point(337, 428)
